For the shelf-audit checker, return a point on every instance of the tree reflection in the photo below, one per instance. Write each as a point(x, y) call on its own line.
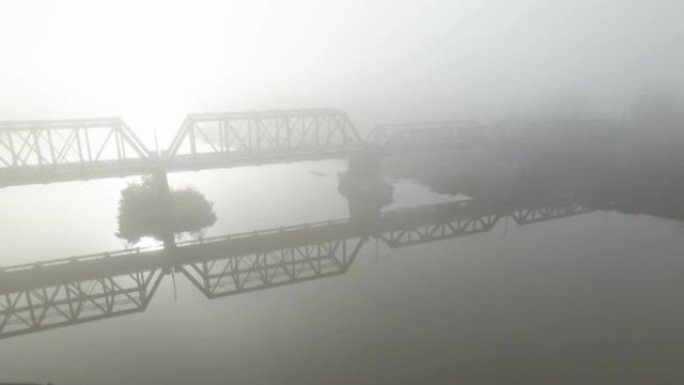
point(151, 209)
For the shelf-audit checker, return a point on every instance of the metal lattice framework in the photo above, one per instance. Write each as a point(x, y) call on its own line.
point(526, 216)
point(452, 220)
point(71, 303)
point(260, 134)
point(439, 231)
point(63, 150)
point(430, 133)
point(68, 148)
point(264, 270)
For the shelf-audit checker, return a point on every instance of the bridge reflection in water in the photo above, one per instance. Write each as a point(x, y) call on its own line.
point(42, 296)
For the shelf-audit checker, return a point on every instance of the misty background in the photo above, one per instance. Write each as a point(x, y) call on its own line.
point(595, 293)
point(152, 62)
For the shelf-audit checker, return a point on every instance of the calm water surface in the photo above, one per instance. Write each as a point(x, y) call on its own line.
point(587, 299)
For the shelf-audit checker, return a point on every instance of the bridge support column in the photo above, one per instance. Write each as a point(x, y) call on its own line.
point(365, 188)
point(163, 190)
point(161, 182)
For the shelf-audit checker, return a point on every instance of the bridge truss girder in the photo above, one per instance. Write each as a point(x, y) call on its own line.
point(73, 303)
point(46, 148)
point(525, 216)
point(262, 270)
point(254, 133)
point(438, 231)
point(430, 133)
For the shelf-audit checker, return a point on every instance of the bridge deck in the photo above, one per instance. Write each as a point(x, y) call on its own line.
point(397, 228)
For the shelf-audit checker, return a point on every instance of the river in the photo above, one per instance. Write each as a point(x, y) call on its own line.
point(591, 298)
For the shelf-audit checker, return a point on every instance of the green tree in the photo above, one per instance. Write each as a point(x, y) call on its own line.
point(146, 211)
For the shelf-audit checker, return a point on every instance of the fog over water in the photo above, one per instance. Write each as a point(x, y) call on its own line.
point(365, 192)
point(382, 61)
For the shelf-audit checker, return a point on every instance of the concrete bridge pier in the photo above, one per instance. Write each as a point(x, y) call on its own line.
point(366, 189)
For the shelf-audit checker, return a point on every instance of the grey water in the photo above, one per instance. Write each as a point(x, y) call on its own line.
point(592, 298)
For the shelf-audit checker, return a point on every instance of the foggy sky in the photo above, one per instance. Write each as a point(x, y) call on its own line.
point(152, 62)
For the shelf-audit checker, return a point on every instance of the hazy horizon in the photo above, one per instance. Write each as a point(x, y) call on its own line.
point(528, 245)
point(382, 61)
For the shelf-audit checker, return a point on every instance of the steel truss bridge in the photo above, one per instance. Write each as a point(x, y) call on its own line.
point(63, 150)
point(42, 296)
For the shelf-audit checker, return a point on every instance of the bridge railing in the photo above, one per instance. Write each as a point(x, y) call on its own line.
point(450, 219)
point(192, 242)
point(80, 258)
